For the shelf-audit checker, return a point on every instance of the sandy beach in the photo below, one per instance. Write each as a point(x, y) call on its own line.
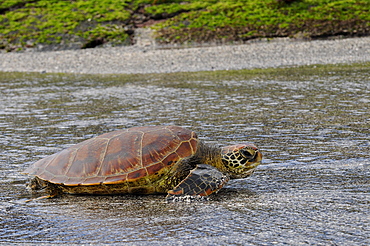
point(147, 58)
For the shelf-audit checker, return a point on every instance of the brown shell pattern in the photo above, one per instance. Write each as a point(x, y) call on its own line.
point(117, 157)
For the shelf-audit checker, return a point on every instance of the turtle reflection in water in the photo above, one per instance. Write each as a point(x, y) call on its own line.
point(144, 160)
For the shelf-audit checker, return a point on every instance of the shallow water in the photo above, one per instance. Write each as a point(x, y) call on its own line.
point(312, 125)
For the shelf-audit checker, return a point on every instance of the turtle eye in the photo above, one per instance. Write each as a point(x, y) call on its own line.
point(247, 153)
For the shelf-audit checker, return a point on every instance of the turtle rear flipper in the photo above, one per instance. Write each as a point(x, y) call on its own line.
point(201, 181)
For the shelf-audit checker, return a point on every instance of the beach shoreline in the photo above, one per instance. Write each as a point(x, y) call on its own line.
point(149, 58)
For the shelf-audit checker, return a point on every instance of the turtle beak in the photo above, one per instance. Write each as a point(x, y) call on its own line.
point(257, 156)
point(253, 163)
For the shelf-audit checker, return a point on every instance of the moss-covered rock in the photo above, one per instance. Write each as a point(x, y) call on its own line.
point(57, 24)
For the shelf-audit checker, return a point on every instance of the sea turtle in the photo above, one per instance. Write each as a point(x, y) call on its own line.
point(144, 160)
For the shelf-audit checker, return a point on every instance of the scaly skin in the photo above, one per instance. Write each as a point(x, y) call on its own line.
point(236, 161)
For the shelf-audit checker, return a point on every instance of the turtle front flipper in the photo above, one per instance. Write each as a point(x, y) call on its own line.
point(201, 181)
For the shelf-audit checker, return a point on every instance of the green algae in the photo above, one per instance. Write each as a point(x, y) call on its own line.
point(89, 23)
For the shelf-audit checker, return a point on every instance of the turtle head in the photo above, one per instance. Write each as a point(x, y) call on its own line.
point(240, 160)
